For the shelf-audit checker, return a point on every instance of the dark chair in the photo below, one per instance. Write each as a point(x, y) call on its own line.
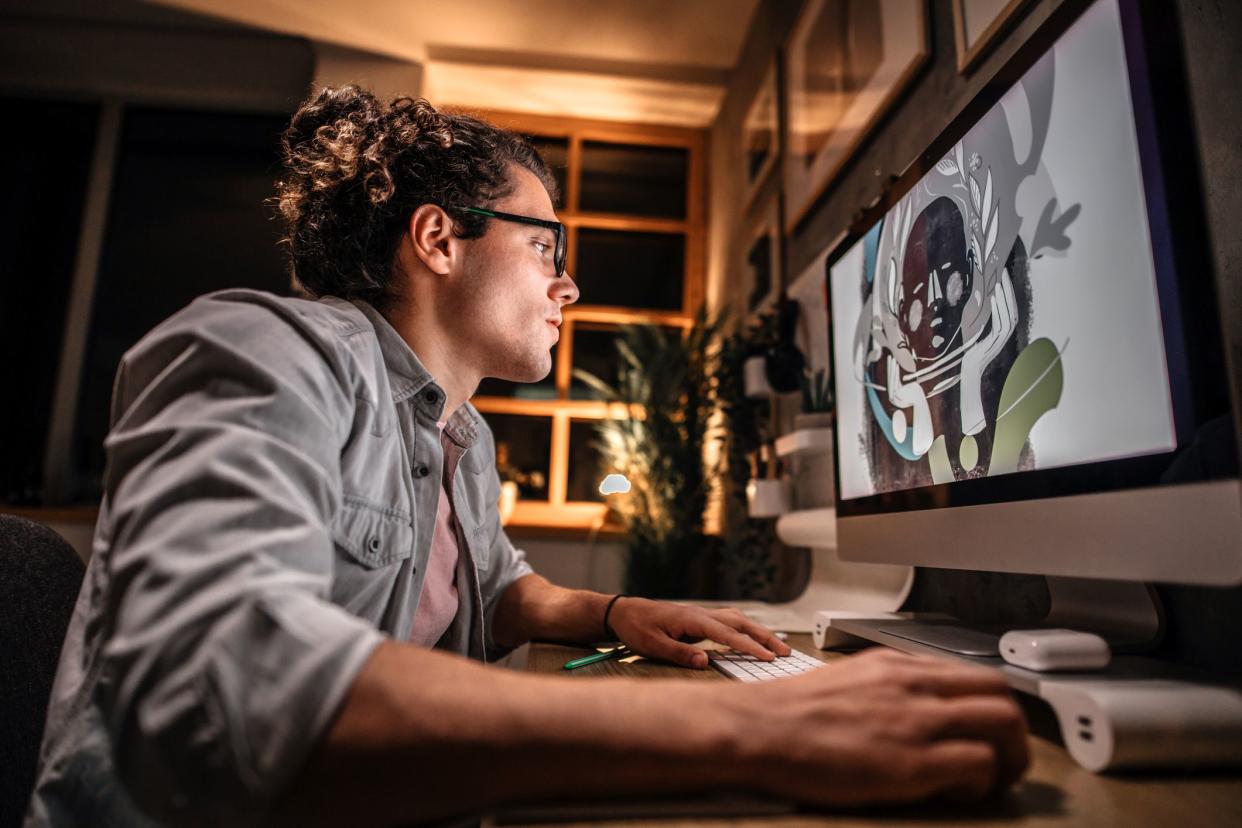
point(40, 575)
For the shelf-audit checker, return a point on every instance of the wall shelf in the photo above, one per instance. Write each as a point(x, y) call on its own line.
point(804, 442)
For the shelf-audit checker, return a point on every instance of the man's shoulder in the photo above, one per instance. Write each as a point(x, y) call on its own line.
point(306, 342)
point(237, 310)
point(275, 328)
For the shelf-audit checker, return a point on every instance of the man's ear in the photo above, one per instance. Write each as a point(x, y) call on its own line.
point(432, 239)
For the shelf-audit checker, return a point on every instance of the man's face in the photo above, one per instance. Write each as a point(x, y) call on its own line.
point(508, 299)
point(935, 281)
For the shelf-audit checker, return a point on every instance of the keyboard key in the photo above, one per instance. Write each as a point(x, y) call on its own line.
point(745, 667)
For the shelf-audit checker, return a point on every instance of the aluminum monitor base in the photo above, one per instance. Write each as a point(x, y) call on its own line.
point(1138, 712)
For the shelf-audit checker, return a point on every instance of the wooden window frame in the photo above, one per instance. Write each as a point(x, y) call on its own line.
point(558, 517)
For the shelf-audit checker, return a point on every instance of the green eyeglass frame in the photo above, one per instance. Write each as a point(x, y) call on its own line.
point(558, 256)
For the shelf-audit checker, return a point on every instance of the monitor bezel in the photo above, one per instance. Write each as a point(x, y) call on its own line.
point(1176, 224)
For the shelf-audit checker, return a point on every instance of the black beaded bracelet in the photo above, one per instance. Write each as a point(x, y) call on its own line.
point(609, 634)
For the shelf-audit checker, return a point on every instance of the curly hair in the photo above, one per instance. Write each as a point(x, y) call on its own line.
point(355, 170)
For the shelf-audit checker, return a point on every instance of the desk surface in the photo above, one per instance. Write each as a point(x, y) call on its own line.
point(1055, 791)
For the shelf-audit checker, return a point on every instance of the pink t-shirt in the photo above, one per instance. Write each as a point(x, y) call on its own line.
point(437, 605)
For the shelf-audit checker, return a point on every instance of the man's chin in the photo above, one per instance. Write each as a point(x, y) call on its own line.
point(529, 374)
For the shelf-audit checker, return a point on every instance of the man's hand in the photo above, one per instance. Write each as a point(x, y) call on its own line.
point(882, 727)
point(658, 629)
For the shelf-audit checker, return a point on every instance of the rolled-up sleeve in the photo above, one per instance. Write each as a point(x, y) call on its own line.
point(223, 662)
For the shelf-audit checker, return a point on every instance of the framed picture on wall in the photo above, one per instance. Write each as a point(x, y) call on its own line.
point(977, 24)
point(810, 291)
point(761, 133)
point(845, 64)
point(761, 258)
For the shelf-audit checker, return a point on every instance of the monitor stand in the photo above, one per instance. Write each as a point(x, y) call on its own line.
point(1126, 614)
point(1137, 712)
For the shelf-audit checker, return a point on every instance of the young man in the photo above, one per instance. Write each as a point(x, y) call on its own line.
point(300, 542)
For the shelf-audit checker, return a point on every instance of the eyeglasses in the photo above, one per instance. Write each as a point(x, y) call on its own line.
point(558, 257)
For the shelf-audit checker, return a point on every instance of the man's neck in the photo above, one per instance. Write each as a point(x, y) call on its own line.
point(439, 354)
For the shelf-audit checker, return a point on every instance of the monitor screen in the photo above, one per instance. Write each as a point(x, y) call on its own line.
point(1003, 316)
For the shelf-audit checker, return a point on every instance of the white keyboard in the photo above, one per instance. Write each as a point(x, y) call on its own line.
point(748, 668)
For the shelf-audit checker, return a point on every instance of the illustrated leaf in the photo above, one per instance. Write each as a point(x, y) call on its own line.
point(960, 151)
point(987, 193)
point(974, 193)
point(907, 218)
point(993, 224)
point(946, 166)
point(892, 285)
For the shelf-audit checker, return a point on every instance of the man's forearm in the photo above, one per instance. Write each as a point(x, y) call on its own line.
point(533, 609)
point(424, 734)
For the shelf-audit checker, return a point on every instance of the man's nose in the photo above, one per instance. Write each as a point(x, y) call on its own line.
point(564, 290)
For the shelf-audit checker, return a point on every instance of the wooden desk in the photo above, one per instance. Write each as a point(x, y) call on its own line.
point(1055, 792)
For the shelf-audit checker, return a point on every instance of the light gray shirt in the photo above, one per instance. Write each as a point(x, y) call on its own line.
point(273, 475)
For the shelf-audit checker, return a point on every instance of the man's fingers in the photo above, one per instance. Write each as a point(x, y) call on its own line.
point(738, 621)
point(996, 721)
point(962, 769)
point(949, 679)
point(687, 655)
point(724, 634)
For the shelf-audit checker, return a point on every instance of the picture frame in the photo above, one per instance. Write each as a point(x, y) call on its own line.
point(977, 26)
point(810, 290)
point(760, 258)
point(761, 134)
point(844, 65)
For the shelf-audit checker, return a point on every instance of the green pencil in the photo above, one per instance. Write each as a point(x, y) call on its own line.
point(591, 659)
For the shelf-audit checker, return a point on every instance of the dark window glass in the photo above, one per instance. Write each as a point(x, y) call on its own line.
point(188, 215)
point(633, 180)
point(555, 153)
point(595, 351)
point(523, 452)
point(759, 260)
point(637, 270)
point(544, 389)
point(586, 466)
point(45, 165)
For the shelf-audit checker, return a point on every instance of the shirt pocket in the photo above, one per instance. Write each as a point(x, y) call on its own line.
point(371, 535)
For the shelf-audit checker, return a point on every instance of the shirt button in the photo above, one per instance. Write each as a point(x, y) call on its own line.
point(374, 544)
point(431, 396)
point(421, 470)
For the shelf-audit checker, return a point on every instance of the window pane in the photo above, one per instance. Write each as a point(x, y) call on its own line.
point(523, 449)
point(637, 270)
point(188, 215)
point(44, 170)
point(555, 153)
point(586, 467)
point(759, 262)
point(634, 180)
point(544, 389)
point(595, 351)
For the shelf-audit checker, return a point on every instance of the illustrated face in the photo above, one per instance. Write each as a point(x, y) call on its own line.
point(936, 281)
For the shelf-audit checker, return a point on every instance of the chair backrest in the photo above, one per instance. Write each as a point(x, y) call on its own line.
point(40, 576)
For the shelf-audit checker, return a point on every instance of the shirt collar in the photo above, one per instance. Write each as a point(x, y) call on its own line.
point(408, 378)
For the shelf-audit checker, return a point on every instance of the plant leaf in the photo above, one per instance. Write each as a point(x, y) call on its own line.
point(974, 194)
point(946, 166)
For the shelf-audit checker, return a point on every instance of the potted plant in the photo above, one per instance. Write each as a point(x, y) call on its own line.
point(665, 383)
point(817, 407)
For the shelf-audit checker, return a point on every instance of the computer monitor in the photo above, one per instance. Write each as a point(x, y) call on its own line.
point(1026, 339)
